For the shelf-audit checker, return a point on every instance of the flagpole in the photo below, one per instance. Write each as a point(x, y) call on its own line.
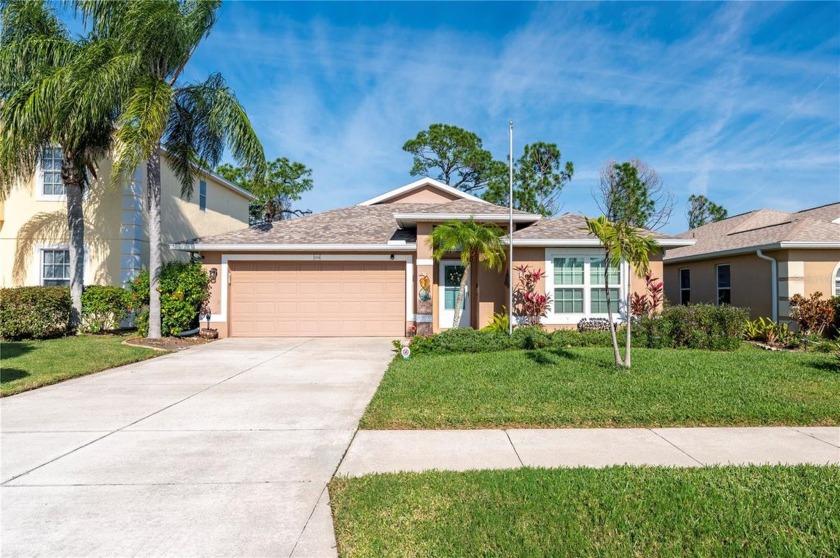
point(510, 235)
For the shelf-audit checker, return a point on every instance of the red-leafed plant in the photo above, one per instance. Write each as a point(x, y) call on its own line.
point(814, 314)
point(649, 302)
point(529, 304)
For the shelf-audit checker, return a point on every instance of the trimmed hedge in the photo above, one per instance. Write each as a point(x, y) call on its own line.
point(103, 308)
point(34, 312)
point(466, 340)
point(697, 326)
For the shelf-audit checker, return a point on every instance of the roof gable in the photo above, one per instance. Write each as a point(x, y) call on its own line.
point(425, 187)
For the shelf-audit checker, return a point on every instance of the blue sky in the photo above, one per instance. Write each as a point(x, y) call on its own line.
point(738, 101)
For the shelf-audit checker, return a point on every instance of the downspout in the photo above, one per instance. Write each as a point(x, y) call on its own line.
point(774, 285)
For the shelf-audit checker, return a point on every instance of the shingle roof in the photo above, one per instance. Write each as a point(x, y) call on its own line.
point(759, 228)
point(465, 207)
point(369, 224)
point(376, 225)
point(569, 226)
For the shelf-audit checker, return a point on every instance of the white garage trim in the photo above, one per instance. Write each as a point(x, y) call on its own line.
point(225, 279)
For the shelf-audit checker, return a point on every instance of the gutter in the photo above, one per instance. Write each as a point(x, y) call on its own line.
point(774, 285)
point(783, 245)
point(590, 242)
point(199, 247)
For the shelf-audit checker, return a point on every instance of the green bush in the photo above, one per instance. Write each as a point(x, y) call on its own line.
point(184, 288)
point(465, 340)
point(834, 329)
point(697, 326)
point(103, 308)
point(34, 312)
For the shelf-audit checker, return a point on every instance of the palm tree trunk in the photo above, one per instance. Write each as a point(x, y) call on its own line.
point(462, 291)
point(153, 187)
point(613, 336)
point(76, 230)
point(629, 321)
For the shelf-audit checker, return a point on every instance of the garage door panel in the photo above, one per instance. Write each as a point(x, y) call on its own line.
point(317, 298)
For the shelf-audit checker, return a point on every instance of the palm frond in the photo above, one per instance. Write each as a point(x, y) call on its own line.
point(140, 126)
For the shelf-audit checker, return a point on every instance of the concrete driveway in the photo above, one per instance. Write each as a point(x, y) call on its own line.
point(220, 450)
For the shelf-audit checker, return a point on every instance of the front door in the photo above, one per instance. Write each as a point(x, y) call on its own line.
point(450, 282)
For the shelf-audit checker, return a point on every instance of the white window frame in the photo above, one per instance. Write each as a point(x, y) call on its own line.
point(683, 289)
point(39, 185)
point(718, 288)
point(41, 262)
point(202, 195)
point(587, 255)
point(38, 257)
point(835, 280)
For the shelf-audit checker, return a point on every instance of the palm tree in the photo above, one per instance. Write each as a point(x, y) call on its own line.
point(479, 242)
point(621, 242)
point(193, 122)
point(42, 107)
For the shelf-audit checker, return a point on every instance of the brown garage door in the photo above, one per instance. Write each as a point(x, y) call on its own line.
point(327, 299)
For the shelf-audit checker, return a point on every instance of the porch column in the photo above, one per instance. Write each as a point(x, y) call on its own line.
point(424, 286)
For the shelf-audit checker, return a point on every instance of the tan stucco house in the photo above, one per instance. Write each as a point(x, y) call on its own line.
point(33, 223)
point(758, 260)
point(368, 269)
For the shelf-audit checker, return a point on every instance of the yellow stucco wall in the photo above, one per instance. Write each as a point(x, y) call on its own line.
point(29, 223)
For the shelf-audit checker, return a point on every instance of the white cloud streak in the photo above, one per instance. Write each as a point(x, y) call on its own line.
point(711, 111)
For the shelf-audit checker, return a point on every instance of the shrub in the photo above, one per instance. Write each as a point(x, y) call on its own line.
point(698, 326)
point(34, 312)
point(530, 337)
point(103, 308)
point(529, 304)
point(527, 337)
point(184, 289)
point(500, 322)
point(571, 338)
point(648, 303)
point(768, 331)
point(587, 325)
point(834, 330)
point(813, 314)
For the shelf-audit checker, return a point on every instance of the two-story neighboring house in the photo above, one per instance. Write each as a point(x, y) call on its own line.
point(33, 223)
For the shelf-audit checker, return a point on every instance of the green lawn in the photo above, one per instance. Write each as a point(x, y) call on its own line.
point(581, 388)
point(31, 364)
point(619, 511)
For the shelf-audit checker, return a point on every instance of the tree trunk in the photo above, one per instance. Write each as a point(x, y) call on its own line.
point(613, 335)
point(459, 302)
point(629, 321)
point(76, 231)
point(153, 191)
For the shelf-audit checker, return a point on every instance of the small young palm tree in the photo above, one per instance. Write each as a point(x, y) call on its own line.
point(476, 242)
point(42, 107)
point(621, 242)
point(193, 122)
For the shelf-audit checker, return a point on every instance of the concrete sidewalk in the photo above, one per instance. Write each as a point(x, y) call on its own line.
point(385, 451)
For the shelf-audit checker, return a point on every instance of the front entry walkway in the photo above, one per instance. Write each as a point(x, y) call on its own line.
point(389, 451)
point(220, 450)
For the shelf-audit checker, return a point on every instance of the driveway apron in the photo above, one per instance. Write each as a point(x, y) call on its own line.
point(221, 450)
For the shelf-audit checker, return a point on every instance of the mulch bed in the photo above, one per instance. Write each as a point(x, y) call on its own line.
point(167, 343)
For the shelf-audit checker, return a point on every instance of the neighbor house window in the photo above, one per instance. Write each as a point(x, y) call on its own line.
point(724, 285)
point(51, 183)
point(685, 286)
point(55, 268)
point(577, 287)
point(202, 195)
